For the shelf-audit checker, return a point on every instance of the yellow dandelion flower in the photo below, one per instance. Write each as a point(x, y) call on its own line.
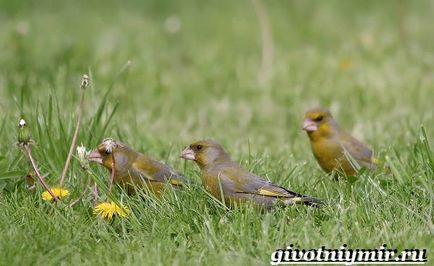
point(59, 192)
point(109, 209)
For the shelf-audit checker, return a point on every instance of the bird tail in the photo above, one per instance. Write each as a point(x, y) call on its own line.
point(309, 201)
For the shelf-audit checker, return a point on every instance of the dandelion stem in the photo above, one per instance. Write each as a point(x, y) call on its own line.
point(77, 130)
point(38, 174)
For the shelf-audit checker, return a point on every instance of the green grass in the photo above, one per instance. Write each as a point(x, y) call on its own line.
point(370, 62)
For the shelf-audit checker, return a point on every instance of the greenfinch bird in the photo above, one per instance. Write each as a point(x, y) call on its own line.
point(133, 169)
point(334, 149)
point(227, 181)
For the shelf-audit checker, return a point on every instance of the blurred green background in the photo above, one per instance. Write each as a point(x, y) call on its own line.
point(370, 62)
point(178, 71)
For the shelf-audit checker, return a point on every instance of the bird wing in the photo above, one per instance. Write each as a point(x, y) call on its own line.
point(155, 171)
point(359, 151)
point(244, 182)
point(238, 183)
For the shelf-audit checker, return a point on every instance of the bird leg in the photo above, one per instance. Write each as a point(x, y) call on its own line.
point(95, 194)
point(112, 178)
point(72, 204)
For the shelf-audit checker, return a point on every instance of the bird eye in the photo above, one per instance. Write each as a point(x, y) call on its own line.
point(318, 118)
point(107, 152)
point(199, 147)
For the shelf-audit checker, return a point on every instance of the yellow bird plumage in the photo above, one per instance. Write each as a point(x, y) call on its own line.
point(333, 148)
point(133, 168)
point(226, 180)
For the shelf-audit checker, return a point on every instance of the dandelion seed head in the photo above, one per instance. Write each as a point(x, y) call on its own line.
point(22, 123)
point(82, 152)
point(23, 133)
point(84, 81)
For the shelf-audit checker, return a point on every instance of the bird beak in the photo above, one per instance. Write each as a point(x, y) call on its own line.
point(309, 125)
point(188, 154)
point(95, 156)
